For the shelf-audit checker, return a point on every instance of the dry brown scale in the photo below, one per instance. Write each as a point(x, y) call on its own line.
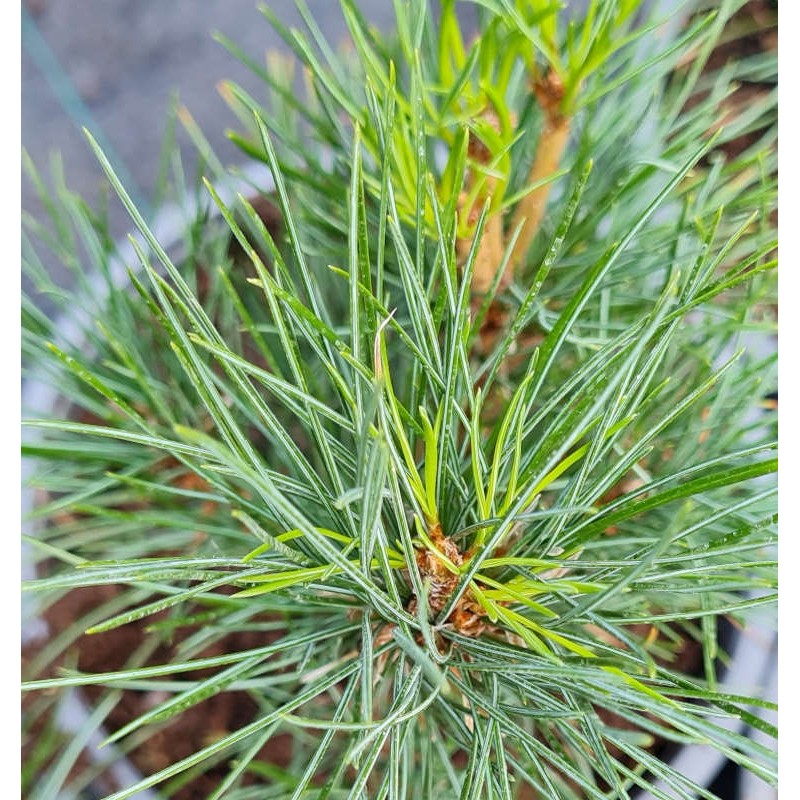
point(468, 617)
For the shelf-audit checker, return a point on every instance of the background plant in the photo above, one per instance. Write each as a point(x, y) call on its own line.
point(478, 511)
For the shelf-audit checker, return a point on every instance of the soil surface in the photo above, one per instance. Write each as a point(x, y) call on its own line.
point(194, 728)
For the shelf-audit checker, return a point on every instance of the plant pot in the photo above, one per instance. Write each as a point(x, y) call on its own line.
point(752, 660)
point(750, 786)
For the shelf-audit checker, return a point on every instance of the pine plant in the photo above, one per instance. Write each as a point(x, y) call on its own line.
point(443, 443)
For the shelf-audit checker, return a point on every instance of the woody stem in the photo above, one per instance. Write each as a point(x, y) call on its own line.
point(488, 255)
point(530, 210)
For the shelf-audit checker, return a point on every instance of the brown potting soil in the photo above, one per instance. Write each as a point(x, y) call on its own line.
point(197, 726)
point(190, 731)
point(752, 30)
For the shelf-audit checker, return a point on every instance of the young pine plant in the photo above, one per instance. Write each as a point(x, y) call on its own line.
point(439, 461)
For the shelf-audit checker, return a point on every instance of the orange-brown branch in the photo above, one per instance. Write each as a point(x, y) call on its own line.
point(555, 134)
point(490, 246)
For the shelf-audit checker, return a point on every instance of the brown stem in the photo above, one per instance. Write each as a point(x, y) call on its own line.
point(489, 255)
point(490, 247)
point(528, 215)
point(487, 261)
point(530, 210)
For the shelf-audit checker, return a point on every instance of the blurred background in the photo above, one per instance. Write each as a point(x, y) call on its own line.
point(115, 66)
